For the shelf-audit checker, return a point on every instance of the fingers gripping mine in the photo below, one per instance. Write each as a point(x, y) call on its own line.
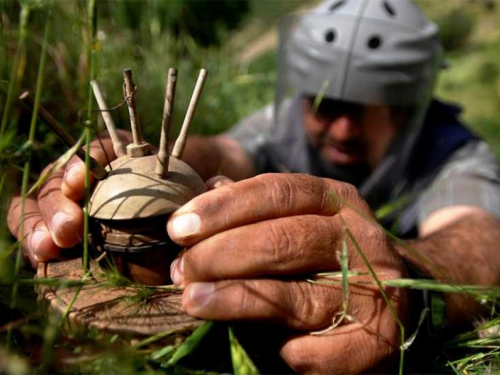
point(290, 303)
point(63, 217)
point(261, 198)
point(297, 245)
point(36, 239)
point(73, 185)
point(287, 246)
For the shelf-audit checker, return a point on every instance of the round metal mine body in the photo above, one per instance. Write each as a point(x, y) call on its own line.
point(130, 208)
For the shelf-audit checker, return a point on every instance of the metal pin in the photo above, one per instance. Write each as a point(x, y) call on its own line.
point(168, 111)
point(180, 143)
point(118, 146)
point(95, 167)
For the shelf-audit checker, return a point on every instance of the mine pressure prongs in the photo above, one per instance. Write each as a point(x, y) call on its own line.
point(138, 148)
point(118, 145)
point(180, 143)
point(130, 208)
point(168, 111)
point(95, 167)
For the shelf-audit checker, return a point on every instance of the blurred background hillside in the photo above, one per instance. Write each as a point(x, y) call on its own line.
point(235, 40)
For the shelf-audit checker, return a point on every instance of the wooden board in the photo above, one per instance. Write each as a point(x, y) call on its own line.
point(113, 309)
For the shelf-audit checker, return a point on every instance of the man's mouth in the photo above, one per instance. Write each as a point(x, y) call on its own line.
point(341, 153)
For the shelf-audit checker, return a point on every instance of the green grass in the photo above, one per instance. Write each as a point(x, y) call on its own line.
point(472, 79)
point(234, 89)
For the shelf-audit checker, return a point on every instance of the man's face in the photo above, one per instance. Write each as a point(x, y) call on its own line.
point(348, 134)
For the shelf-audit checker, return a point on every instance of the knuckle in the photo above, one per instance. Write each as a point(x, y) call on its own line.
point(316, 305)
point(281, 193)
point(306, 310)
point(342, 194)
point(247, 297)
point(52, 181)
point(282, 249)
point(372, 232)
point(348, 191)
point(370, 238)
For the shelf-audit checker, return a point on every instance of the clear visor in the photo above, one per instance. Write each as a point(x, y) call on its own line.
point(311, 65)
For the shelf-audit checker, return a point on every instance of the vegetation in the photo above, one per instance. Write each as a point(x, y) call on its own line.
point(53, 48)
point(472, 78)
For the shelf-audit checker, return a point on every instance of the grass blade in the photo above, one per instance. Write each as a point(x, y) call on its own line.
point(91, 55)
point(27, 164)
point(412, 338)
point(163, 352)
point(152, 339)
point(344, 266)
point(381, 289)
point(17, 68)
point(61, 161)
point(242, 364)
point(191, 343)
point(433, 285)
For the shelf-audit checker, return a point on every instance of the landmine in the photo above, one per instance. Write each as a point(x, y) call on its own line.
point(129, 208)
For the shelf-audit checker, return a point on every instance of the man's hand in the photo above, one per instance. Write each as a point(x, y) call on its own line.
point(53, 216)
point(253, 244)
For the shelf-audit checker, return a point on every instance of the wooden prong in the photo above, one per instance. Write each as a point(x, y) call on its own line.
point(130, 97)
point(168, 111)
point(180, 143)
point(118, 146)
point(95, 167)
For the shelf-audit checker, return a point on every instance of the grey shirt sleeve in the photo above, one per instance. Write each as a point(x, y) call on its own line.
point(470, 177)
point(254, 131)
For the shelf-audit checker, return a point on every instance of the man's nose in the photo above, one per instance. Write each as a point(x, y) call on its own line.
point(344, 128)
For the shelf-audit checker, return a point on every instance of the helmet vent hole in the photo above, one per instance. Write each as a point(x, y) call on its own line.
point(330, 36)
point(388, 7)
point(374, 42)
point(337, 5)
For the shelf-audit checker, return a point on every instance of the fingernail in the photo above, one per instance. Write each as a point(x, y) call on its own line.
point(201, 293)
point(36, 238)
point(59, 220)
point(177, 271)
point(220, 183)
point(186, 225)
point(74, 173)
point(58, 227)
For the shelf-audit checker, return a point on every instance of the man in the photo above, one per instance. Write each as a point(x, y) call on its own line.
point(363, 71)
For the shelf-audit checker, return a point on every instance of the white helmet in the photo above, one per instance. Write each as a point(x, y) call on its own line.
point(363, 51)
point(367, 52)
